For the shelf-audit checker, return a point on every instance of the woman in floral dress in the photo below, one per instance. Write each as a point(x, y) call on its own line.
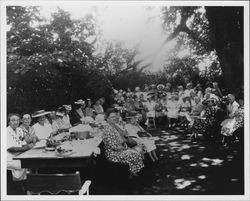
point(207, 118)
point(28, 131)
point(116, 149)
point(237, 122)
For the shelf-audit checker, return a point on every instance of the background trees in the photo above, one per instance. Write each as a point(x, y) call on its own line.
point(218, 29)
point(54, 62)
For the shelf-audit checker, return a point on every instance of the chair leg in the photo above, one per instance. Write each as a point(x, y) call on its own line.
point(154, 122)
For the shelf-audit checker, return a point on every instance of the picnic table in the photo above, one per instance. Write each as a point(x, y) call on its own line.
point(81, 151)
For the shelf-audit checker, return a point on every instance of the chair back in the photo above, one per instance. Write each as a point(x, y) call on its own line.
point(53, 183)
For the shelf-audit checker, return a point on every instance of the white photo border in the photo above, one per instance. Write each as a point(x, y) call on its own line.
point(5, 3)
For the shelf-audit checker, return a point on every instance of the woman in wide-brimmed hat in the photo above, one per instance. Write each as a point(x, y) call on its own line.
point(134, 129)
point(42, 128)
point(78, 112)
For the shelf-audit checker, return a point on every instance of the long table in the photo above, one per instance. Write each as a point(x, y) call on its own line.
point(82, 151)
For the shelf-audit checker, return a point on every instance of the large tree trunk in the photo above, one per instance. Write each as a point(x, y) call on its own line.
point(226, 24)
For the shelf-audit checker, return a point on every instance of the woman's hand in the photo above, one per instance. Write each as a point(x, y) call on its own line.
point(30, 146)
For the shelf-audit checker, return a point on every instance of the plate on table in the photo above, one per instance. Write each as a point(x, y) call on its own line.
point(40, 144)
point(50, 149)
point(64, 153)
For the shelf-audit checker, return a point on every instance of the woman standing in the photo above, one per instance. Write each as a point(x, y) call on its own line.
point(116, 149)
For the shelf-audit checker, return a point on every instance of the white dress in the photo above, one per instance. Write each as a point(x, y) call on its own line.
point(172, 107)
point(228, 124)
point(132, 131)
point(42, 131)
point(66, 121)
point(15, 139)
point(184, 106)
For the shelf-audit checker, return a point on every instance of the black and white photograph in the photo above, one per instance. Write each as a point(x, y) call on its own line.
point(124, 100)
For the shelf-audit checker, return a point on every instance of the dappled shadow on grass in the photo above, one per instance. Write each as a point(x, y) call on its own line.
point(186, 167)
point(191, 167)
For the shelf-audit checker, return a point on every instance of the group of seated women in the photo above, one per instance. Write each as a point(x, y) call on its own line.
point(121, 140)
point(123, 144)
point(190, 107)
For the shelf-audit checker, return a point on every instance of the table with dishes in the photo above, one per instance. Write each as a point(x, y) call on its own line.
point(64, 152)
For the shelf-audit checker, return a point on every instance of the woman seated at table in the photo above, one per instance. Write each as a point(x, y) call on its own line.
point(116, 149)
point(89, 111)
point(65, 110)
point(56, 120)
point(42, 128)
point(78, 112)
point(28, 131)
point(98, 107)
point(16, 144)
point(133, 129)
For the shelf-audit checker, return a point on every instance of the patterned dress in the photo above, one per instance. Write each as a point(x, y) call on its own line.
point(112, 141)
point(202, 125)
point(235, 123)
point(29, 134)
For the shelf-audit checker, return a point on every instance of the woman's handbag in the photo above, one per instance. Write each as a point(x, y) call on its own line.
point(131, 142)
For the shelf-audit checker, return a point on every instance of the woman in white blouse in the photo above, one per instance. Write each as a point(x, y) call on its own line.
point(15, 144)
point(43, 128)
point(133, 128)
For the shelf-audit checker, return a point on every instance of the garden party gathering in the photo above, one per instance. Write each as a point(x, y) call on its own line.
point(85, 116)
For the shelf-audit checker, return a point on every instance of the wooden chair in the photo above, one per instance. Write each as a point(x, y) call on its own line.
point(56, 183)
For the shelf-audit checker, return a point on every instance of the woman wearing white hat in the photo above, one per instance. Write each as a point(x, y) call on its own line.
point(42, 128)
point(78, 112)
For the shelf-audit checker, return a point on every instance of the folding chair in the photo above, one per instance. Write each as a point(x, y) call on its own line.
point(151, 119)
point(56, 183)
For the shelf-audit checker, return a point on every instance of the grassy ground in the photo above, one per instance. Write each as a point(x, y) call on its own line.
point(186, 167)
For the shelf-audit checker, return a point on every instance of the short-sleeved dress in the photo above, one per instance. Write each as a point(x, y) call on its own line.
point(235, 123)
point(112, 139)
point(29, 134)
point(202, 125)
point(15, 139)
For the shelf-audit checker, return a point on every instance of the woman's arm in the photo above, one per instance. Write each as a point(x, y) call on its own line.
point(21, 149)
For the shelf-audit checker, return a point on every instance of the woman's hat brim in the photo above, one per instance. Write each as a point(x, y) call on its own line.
point(39, 115)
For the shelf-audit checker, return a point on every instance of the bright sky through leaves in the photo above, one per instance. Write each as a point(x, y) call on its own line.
point(132, 25)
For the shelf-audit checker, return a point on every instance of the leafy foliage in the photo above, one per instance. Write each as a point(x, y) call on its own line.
point(50, 64)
